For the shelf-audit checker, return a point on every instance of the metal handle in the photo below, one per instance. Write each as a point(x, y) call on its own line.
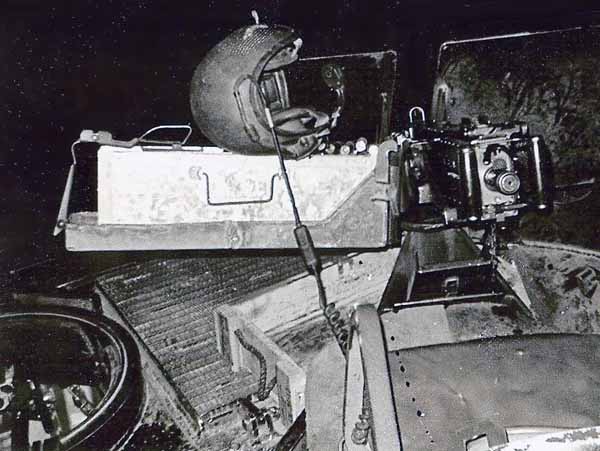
point(199, 174)
point(412, 114)
point(142, 139)
point(414, 121)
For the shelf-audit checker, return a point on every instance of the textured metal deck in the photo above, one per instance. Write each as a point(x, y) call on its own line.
point(170, 304)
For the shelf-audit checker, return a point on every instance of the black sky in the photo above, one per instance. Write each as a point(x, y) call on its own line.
point(125, 66)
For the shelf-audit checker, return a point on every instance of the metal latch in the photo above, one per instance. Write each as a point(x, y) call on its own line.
point(451, 285)
point(104, 138)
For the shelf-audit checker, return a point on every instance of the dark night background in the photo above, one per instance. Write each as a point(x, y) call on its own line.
point(125, 66)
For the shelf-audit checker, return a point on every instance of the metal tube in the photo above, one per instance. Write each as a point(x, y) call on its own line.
point(540, 174)
point(471, 191)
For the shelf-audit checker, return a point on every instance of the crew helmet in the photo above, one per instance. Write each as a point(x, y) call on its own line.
point(239, 77)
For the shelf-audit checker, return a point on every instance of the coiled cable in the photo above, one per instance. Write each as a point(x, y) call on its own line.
point(306, 245)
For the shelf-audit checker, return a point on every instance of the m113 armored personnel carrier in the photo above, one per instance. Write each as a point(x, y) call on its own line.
point(425, 347)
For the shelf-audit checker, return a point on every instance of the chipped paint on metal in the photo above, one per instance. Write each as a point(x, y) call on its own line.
point(170, 187)
point(584, 439)
point(575, 436)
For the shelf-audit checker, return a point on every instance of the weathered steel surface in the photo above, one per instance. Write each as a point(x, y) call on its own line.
point(362, 221)
point(290, 378)
point(175, 187)
point(443, 391)
point(420, 326)
point(325, 399)
point(445, 267)
point(339, 197)
point(368, 373)
point(583, 439)
point(353, 279)
point(548, 274)
point(170, 305)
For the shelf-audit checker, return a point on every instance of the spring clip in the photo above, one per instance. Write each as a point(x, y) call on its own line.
point(337, 325)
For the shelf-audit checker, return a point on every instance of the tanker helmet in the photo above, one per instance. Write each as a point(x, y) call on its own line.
point(239, 77)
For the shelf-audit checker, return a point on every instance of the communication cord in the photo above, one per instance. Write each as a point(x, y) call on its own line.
point(306, 245)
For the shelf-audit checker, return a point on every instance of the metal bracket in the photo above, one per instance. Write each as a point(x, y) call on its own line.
point(105, 138)
point(446, 268)
point(367, 372)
